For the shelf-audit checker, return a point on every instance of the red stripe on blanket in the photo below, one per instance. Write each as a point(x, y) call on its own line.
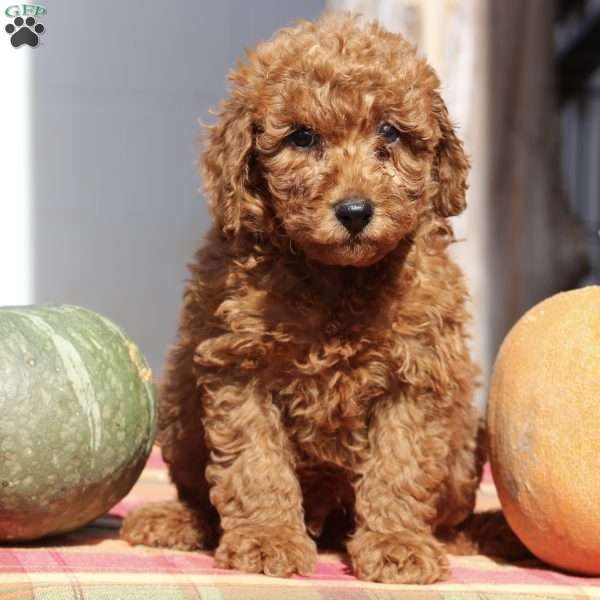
point(10, 563)
point(487, 474)
point(42, 561)
point(519, 575)
point(155, 460)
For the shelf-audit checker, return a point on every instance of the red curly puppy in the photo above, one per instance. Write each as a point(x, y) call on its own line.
point(320, 385)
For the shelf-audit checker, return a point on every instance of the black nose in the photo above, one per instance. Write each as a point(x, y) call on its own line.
point(354, 214)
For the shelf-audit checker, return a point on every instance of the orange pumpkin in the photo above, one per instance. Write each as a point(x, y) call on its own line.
point(544, 429)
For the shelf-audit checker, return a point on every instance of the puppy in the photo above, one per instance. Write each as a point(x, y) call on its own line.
point(320, 384)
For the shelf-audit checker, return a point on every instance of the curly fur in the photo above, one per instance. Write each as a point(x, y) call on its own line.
point(320, 385)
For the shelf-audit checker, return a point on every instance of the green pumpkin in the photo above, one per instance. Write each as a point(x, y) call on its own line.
point(77, 418)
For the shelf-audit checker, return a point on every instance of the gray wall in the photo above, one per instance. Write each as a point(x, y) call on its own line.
point(117, 91)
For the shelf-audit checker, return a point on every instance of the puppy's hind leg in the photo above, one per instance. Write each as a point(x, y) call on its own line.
point(170, 524)
point(459, 528)
point(190, 522)
point(486, 533)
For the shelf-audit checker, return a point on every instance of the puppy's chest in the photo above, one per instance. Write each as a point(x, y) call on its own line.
point(325, 391)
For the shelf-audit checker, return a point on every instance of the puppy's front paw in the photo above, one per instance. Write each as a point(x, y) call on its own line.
point(403, 557)
point(276, 551)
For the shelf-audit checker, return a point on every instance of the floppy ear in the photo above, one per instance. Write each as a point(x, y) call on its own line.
point(226, 165)
point(451, 167)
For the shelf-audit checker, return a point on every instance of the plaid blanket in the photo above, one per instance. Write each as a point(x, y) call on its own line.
point(92, 563)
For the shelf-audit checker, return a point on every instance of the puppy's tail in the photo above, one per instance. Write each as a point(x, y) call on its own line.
point(486, 533)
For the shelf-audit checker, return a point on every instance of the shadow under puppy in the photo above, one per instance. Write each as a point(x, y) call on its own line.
point(320, 383)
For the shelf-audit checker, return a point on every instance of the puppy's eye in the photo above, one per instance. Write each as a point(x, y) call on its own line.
point(304, 138)
point(388, 132)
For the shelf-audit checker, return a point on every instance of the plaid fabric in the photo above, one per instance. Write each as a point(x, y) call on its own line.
point(92, 563)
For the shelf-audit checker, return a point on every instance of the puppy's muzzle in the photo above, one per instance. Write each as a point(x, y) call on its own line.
point(354, 214)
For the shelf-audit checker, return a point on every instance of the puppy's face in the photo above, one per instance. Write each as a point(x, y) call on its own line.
point(336, 138)
point(346, 175)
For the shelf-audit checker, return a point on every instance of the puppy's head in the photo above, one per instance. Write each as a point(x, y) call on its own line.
point(334, 136)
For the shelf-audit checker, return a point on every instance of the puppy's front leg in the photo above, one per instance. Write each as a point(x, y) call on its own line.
point(253, 485)
point(396, 497)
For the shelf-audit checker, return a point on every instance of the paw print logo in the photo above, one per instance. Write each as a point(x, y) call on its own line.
point(24, 32)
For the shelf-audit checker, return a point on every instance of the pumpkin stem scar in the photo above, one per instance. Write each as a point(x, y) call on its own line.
point(144, 372)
